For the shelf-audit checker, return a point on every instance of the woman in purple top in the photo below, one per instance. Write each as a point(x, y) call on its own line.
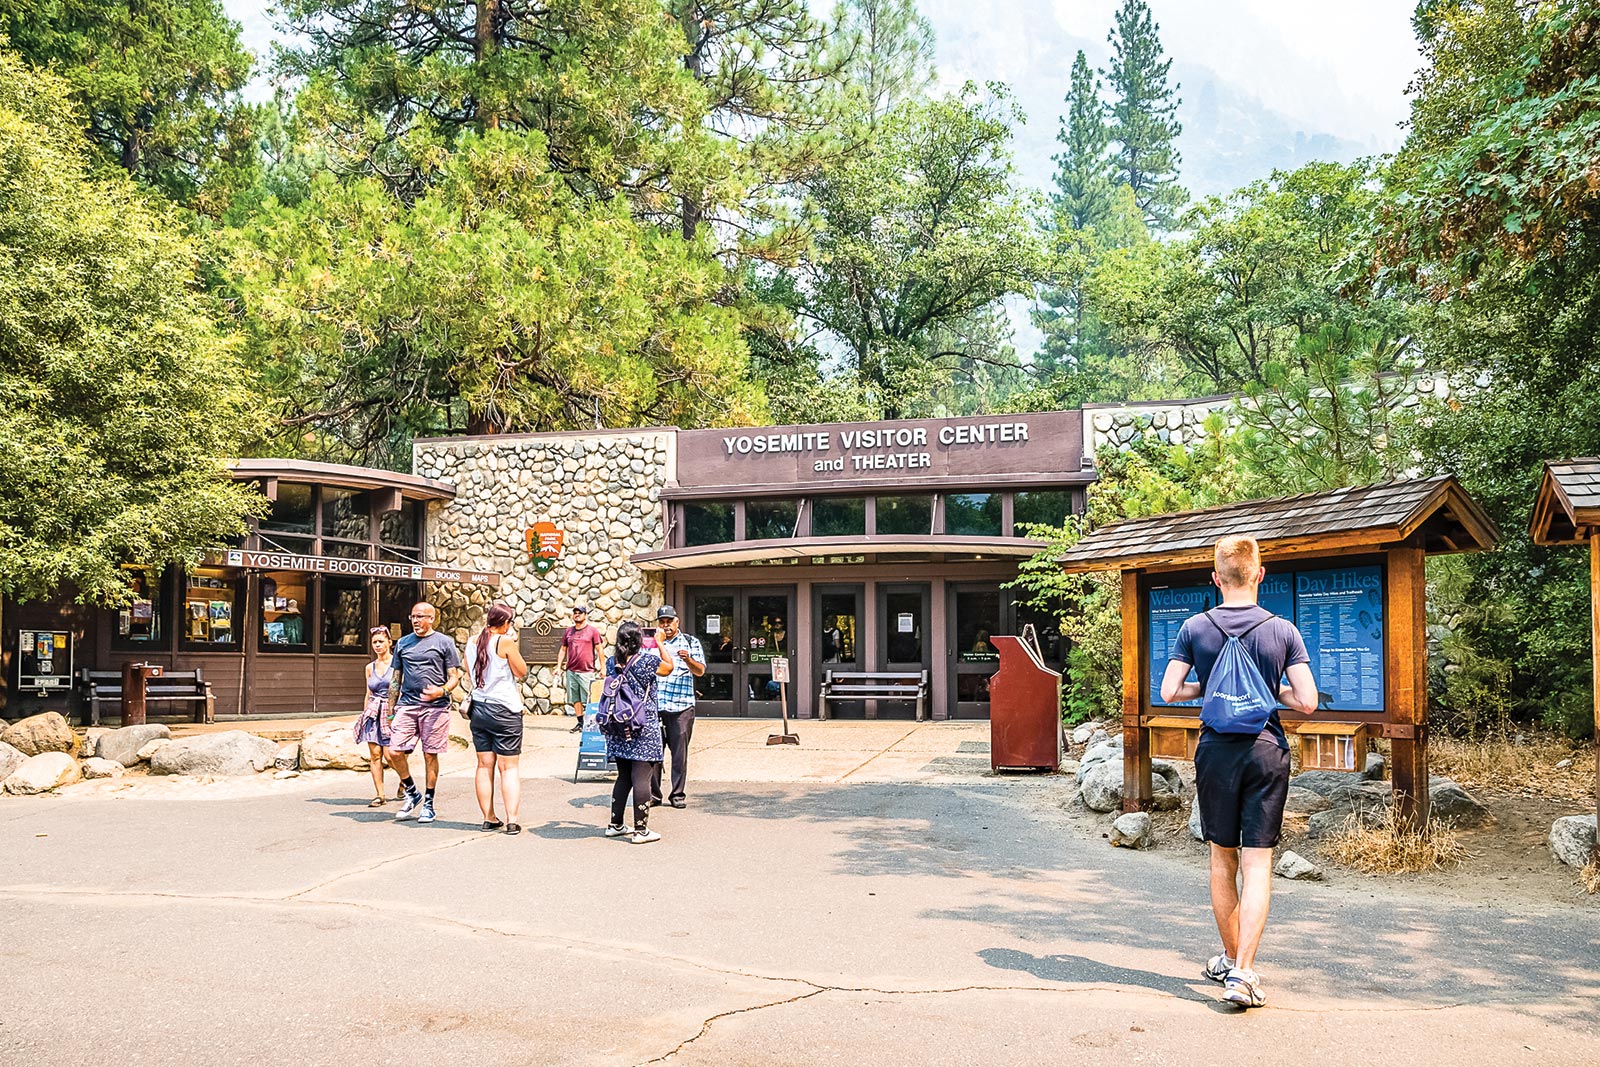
point(637, 757)
point(371, 726)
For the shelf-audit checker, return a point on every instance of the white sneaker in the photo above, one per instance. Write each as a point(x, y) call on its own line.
point(1243, 988)
point(409, 810)
point(1217, 968)
point(618, 831)
point(644, 837)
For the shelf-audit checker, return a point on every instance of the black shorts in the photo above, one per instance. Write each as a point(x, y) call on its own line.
point(495, 728)
point(1242, 787)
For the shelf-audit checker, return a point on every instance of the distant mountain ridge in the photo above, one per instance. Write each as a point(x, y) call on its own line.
point(1230, 137)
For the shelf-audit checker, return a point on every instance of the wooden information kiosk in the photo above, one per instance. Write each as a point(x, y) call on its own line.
point(1567, 512)
point(1346, 566)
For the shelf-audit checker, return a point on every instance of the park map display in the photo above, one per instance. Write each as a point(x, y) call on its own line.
point(1339, 611)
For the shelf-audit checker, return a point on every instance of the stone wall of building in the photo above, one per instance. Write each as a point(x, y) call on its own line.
point(1181, 422)
point(603, 490)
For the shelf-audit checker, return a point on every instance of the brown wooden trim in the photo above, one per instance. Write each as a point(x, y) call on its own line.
point(1406, 681)
point(991, 483)
point(1137, 788)
point(342, 475)
point(1594, 645)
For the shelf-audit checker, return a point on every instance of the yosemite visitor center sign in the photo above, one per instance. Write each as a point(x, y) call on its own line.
point(960, 449)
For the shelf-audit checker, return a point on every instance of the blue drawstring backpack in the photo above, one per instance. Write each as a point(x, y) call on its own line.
point(1238, 700)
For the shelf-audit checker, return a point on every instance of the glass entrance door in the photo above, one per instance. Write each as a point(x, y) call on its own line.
point(904, 631)
point(742, 631)
point(838, 642)
point(977, 612)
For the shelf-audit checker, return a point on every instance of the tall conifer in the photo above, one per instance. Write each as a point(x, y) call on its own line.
point(1144, 116)
point(1083, 174)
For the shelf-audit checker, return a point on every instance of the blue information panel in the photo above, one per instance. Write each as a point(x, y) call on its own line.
point(1169, 607)
point(1339, 611)
point(1340, 614)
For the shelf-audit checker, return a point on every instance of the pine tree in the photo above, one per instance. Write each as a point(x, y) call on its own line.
point(1144, 121)
point(1083, 173)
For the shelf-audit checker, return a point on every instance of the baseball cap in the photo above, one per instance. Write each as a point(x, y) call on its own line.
point(580, 607)
point(666, 611)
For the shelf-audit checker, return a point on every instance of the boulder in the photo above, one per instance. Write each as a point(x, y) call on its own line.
point(1572, 839)
point(42, 773)
point(1448, 801)
point(96, 767)
point(1164, 772)
point(1102, 785)
point(150, 748)
point(232, 752)
point(1294, 866)
point(1165, 801)
point(1374, 771)
point(1305, 802)
point(1081, 735)
point(288, 757)
point(41, 733)
point(1334, 785)
point(123, 745)
point(1197, 829)
point(1131, 830)
point(332, 749)
point(10, 760)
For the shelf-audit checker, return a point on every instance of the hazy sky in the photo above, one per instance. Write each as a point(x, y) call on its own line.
point(1340, 68)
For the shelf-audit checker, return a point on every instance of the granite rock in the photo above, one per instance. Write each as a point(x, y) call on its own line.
point(1572, 839)
point(41, 733)
point(1131, 830)
point(42, 773)
point(232, 752)
point(123, 745)
point(1296, 867)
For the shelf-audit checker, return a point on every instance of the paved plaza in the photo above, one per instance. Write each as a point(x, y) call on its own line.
point(879, 899)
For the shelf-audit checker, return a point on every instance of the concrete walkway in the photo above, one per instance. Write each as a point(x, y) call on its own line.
point(853, 922)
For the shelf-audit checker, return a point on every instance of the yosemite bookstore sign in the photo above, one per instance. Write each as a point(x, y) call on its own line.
point(1037, 443)
point(356, 568)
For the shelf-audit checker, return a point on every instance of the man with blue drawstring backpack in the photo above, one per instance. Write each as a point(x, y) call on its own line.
point(1240, 651)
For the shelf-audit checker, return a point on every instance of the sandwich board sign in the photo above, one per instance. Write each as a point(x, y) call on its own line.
point(592, 746)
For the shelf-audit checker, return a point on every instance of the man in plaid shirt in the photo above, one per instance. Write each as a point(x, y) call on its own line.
point(675, 695)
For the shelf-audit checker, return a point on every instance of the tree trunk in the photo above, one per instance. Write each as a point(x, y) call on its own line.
point(482, 48)
point(132, 146)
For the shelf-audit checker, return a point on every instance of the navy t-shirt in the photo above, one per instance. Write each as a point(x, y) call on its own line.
point(424, 661)
point(1275, 645)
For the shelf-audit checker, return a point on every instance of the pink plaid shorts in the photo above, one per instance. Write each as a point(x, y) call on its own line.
point(413, 722)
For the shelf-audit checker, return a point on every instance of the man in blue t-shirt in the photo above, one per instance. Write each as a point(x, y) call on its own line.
point(427, 668)
point(1241, 780)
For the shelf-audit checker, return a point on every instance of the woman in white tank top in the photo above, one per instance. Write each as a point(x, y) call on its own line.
point(494, 667)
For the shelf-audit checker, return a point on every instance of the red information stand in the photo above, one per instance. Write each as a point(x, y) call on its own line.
point(1024, 709)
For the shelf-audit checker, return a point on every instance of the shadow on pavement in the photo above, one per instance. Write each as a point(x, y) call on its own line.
point(1079, 970)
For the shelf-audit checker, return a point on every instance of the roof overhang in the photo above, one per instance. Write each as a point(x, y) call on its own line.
point(409, 486)
point(950, 548)
point(1440, 514)
point(1560, 516)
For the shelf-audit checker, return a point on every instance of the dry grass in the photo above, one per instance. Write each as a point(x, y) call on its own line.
point(1387, 848)
point(1589, 877)
point(1510, 767)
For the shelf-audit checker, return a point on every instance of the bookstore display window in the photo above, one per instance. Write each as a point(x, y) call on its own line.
point(394, 606)
point(291, 523)
point(765, 520)
point(212, 609)
point(141, 623)
point(400, 532)
point(344, 615)
point(285, 604)
point(905, 515)
point(833, 516)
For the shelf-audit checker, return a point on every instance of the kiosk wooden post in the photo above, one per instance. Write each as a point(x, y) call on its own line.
point(1138, 790)
point(1406, 688)
point(1349, 566)
point(1567, 512)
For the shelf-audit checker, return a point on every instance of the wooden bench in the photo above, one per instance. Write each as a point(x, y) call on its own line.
point(175, 687)
point(874, 686)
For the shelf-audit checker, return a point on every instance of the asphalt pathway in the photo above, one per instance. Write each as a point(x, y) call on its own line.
point(848, 923)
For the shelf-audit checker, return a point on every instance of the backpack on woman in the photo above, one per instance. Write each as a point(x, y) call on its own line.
point(624, 708)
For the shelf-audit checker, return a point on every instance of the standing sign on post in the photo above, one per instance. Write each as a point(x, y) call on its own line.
point(780, 674)
point(592, 746)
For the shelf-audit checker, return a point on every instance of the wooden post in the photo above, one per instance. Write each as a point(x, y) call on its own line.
point(1137, 788)
point(1594, 638)
point(1406, 688)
